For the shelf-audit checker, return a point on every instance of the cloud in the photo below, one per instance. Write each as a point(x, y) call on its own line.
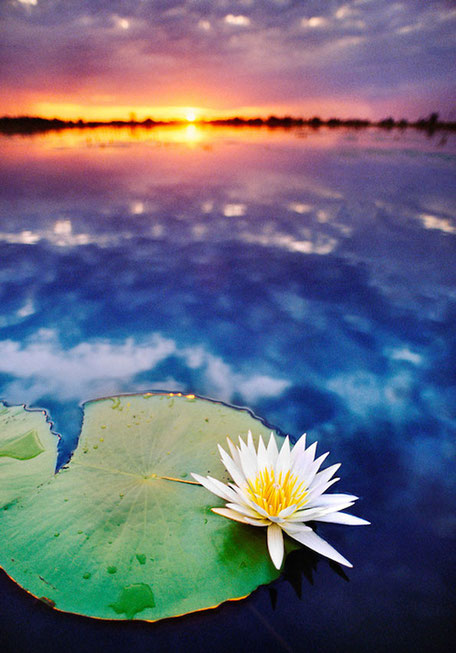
point(41, 366)
point(238, 21)
point(121, 23)
point(435, 222)
point(234, 210)
point(61, 235)
point(167, 51)
point(316, 244)
point(314, 22)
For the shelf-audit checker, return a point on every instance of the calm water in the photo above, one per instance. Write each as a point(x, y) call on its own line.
point(307, 275)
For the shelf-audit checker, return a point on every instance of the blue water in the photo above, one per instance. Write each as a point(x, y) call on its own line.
point(307, 275)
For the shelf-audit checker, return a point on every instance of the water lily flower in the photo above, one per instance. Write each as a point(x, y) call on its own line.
point(281, 490)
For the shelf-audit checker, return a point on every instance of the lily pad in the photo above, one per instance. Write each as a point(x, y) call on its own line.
point(28, 452)
point(122, 532)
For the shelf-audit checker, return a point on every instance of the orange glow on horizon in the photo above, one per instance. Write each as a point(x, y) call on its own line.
point(70, 111)
point(103, 109)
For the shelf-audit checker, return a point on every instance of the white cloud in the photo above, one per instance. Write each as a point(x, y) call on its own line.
point(15, 317)
point(234, 210)
point(66, 372)
point(137, 208)
point(204, 25)
point(42, 366)
point(314, 22)
point(261, 386)
point(25, 237)
point(60, 234)
point(364, 392)
point(26, 310)
point(206, 207)
point(407, 29)
point(239, 21)
point(223, 383)
point(345, 11)
point(405, 354)
point(319, 244)
point(199, 231)
point(323, 216)
point(121, 23)
point(361, 391)
point(433, 222)
point(299, 207)
point(348, 41)
point(219, 378)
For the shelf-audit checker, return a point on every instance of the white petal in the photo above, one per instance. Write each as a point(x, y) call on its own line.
point(257, 522)
point(275, 545)
point(249, 462)
point(286, 512)
point(232, 468)
point(304, 461)
point(313, 496)
point(323, 477)
point(326, 509)
point(244, 510)
point(261, 510)
point(244, 499)
point(310, 514)
point(234, 452)
point(314, 467)
point(231, 514)
point(344, 518)
point(243, 496)
point(318, 544)
point(262, 455)
point(216, 487)
point(272, 450)
point(331, 499)
point(250, 444)
point(283, 459)
point(295, 528)
point(298, 449)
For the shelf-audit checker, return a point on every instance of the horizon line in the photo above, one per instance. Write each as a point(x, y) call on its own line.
point(431, 122)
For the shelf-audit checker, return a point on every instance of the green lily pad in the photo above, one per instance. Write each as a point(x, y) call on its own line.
point(28, 452)
point(122, 532)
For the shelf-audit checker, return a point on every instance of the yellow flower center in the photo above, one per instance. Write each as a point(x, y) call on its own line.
point(276, 492)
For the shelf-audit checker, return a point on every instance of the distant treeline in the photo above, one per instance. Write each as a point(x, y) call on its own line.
point(31, 124)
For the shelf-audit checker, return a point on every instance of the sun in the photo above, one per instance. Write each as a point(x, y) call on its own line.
point(190, 115)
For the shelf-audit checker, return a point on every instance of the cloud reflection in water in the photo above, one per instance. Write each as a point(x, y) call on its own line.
point(311, 279)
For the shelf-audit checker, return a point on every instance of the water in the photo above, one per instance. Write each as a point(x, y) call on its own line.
point(307, 275)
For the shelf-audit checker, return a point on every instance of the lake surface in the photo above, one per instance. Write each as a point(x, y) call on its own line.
point(309, 275)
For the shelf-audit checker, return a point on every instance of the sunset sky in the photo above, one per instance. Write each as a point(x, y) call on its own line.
point(107, 59)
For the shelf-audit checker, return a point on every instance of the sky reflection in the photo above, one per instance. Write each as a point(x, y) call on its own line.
point(310, 280)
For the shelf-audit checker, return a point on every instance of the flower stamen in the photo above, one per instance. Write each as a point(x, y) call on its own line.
point(275, 492)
